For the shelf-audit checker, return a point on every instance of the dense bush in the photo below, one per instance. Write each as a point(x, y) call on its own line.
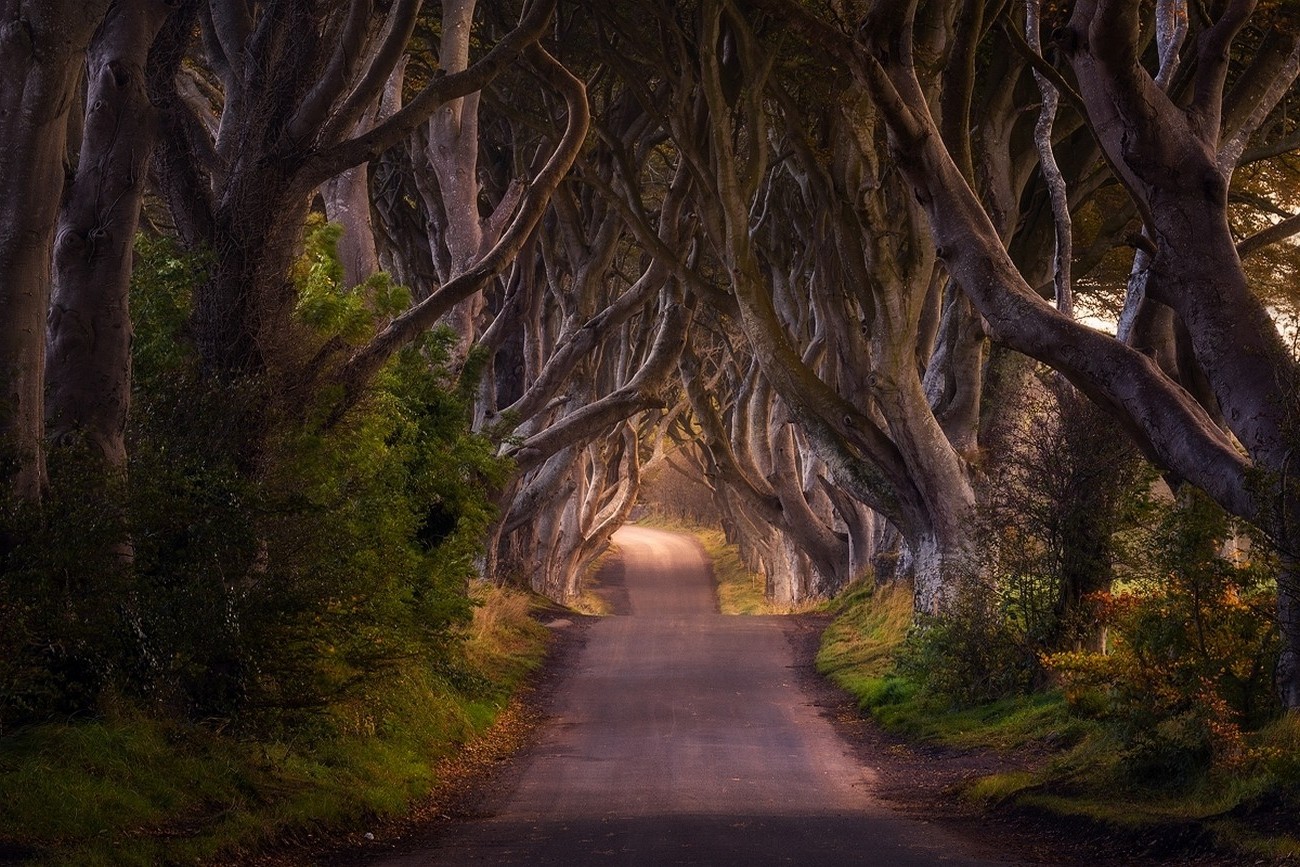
point(1055, 520)
point(1051, 528)
point(1188, 667)
point(254, 583)
point(972, 652)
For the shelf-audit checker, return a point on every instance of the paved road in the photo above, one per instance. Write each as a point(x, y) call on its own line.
point(683, 737)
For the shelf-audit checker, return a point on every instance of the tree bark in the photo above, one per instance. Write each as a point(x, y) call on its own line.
point(88, 361)
point(347, 202)
point(42, 49)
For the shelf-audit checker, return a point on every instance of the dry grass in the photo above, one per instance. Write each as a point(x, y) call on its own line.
point(589, 601)
point(503, 629)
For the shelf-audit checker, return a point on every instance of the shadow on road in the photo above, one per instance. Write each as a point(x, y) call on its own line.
point(806, 840)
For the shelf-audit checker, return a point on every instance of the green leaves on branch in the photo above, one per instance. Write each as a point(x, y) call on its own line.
point(326, 304)
point(259, 568)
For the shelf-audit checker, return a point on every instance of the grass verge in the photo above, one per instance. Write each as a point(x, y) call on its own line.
point(589, 600)
point(1079, 772)
point(133, 789)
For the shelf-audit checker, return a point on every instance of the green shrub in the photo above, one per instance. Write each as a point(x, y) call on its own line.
point(1050, 527)
point(971, 653)
point(1054, 521)
point(1189, 664)
point(254, 564)
point(65, 595)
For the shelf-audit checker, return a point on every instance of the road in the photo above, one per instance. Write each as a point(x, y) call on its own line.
point(682, 736)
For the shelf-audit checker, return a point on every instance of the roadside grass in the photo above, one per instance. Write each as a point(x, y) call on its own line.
point(134, 789)
point(589, 600)
point(592, 603)
point(857, 650)
point(1077, 771)
point(740, 591)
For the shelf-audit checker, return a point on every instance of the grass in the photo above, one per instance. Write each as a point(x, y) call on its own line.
point(589, 601)
point(740, 590)
point(857, 654)
point(1238, 808)
point(1249, 809)
point(857, 651)
point(134, 789)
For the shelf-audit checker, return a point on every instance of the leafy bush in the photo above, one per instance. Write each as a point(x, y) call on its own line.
point(1188, 669)
point(64, 595)
point(254, 564)
point(971, 653)
point(1054, 520)
point(1050, 528)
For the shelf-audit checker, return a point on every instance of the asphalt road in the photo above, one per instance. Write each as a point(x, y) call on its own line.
point(682, 737)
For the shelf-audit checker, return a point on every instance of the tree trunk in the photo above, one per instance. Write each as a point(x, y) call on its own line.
point(88, 362)
point(1288, 620)
point(42, 48)
point(347, 196)
point(347, 202)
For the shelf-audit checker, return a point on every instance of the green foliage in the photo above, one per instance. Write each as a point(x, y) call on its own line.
point(330, 308)
point(267, 622)
point(1055, 518)
point(134, 789)
point(250, 567)
point(1188, 670)
point(972, 653)
point(65, 595)
point(163, 280)
point(1053, 526)
point(1081, 765)
point(859, 653)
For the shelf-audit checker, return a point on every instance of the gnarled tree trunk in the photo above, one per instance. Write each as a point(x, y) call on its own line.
point(88, 363)
point(42, 50)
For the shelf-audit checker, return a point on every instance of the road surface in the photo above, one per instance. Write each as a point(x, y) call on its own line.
point(681, 736)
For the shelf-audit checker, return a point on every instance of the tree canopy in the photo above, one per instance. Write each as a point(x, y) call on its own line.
point(310, 300)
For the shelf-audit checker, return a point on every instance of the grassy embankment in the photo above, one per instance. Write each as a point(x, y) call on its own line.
point(1249, 808)
point(131, 789)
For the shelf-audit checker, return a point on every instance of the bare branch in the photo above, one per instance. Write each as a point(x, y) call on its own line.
point(314, 109)
point(1230, 153)
point(442, 88)
point(1212, 67)
point(384, 61)
point(405, 328)
point(1279, 231)
point(1051, 171)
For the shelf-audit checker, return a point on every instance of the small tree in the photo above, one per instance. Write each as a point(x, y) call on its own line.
point(1061, 492)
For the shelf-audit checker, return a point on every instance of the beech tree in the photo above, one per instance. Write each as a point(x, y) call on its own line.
point(596, 331)
point(277, 108)
point(559, 348)
point(88, 369)
point(801, 217)
point(828, 242)
point(42, 53)
point(1168, 151)
point(758, 148)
